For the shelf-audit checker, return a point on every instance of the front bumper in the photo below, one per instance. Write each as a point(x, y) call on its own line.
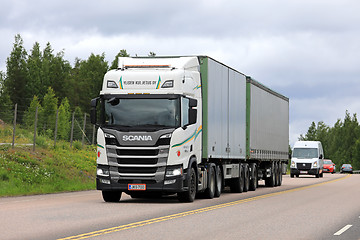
point(151, 186)
point(312, 171)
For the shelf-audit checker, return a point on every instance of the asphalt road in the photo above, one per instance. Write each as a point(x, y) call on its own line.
point(302, 208)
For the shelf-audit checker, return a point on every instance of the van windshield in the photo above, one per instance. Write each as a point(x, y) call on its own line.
point(305, 153)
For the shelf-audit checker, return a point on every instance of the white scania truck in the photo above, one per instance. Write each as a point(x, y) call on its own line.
point(186, 125)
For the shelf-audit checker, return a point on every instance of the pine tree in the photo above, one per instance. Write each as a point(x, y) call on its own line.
point(17, 75)
point(64, 123)
point(48, 116)
point(115, 63)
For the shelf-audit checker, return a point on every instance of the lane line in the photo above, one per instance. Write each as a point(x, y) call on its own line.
point(341, 231)
point(191, 212)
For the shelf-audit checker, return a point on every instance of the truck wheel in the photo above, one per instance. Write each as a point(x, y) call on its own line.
point(280, 173)
point(210, 190)
point(219, 182)
point(111, 196)
point(292, 175)
point(190, 193)
point(276, 171)
point(237, 185)
point(270, 181)
point(253, 177)
point(246, 177)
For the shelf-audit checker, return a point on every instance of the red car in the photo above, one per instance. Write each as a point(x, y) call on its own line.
point(329, 166)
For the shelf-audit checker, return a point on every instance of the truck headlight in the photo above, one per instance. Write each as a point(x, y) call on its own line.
point(292, 164)
point(315, 164)
point(172, 172)
point(103, 172)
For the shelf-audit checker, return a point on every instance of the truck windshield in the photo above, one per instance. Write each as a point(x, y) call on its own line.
point(305, 153)
point(133, 112)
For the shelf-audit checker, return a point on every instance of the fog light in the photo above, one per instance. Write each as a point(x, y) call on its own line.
point(105, 181)
point(167, 182)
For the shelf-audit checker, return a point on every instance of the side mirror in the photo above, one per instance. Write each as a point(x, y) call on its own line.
point(321, 156)
point(192, 116)
point(192, 103)
point(93, 105)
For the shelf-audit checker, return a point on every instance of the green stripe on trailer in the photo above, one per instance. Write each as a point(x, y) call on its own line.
point(204, 92)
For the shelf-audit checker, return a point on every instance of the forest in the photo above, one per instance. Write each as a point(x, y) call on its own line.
point(341, 142)
point(43, 79)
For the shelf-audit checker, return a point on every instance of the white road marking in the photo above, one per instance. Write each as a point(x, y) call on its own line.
point(341, 231)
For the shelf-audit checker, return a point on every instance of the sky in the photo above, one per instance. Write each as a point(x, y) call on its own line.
point(306, 50)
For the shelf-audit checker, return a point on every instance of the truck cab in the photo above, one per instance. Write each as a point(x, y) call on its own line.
point(307, 159)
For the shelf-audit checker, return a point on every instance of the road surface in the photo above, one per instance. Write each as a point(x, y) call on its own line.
point(302, 208)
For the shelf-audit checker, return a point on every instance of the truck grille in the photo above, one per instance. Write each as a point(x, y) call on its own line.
point(146, 163)
point(303, 166)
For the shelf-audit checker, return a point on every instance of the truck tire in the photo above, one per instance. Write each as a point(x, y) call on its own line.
point(111, 196)
point(280, 173)
point(219, 182)
point(270, 181)
point(210, 190)
point(253, 177)
point(246, 177)
point(190, 193)
point(237, 184)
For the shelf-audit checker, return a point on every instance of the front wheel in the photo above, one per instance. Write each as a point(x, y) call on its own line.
point(190, 193)
point(111, 196)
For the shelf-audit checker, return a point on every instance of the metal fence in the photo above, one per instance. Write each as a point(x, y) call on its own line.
point(81, 129)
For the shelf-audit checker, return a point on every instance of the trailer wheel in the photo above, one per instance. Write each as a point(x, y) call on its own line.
point(111, 196)
point(270, 181)
point(210, 190)
point(237, 184)
point(219, 182)
point(246, 177)
point(253, 177)
point(190, 193)
point(277, 174)
point(280, 173)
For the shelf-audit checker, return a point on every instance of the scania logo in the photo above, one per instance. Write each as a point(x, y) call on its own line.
point(136, 138)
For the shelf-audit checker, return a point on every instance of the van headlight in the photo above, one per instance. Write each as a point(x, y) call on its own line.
point(315, 164)
point(292, 164)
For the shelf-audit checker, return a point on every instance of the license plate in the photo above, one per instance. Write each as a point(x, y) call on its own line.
point(136, 187)
point(304, 172)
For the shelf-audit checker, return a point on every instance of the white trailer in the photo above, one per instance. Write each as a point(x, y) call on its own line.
point(186, 125)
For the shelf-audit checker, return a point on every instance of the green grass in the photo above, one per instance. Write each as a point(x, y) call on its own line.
point(48, 169)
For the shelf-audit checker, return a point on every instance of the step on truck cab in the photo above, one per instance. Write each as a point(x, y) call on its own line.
point(188, 126)
point(307, 159)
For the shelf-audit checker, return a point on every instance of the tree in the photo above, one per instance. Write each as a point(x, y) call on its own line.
point(5, 101)
point(34, 67)
point(89, 79)
point(60, 75)
point(29, 116)
point(115, 63)
point(310, 135)
point(17, 75)
point(152, 54)
point(48, 115)
point(64, 122)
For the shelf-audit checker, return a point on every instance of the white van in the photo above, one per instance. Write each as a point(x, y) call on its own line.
point(307, 158)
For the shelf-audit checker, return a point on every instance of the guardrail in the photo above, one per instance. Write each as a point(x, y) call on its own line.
point(356, 172)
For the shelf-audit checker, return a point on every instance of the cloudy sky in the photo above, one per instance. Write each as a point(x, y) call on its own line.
point(307, 50)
